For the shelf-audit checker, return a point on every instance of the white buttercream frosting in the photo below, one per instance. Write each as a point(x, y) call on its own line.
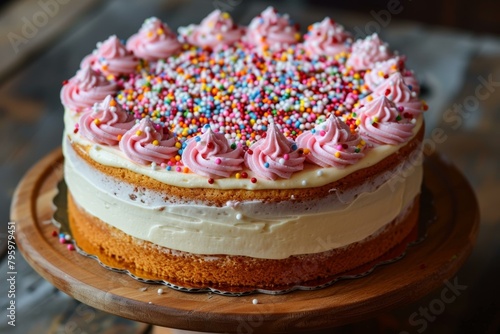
point(251, 228)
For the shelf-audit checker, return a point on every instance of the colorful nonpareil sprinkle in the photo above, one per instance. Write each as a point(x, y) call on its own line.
point(237, 92)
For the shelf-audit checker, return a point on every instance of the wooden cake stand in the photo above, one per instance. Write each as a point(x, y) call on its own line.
point(425, 267)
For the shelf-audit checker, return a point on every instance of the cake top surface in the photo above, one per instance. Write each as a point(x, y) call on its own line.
point(222, 101)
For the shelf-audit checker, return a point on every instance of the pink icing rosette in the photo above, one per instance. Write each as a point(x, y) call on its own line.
point(326, 38)
point(332, 144)
point(272, 30)
point(144, 144)
point(366, 52)
point(111, 58)
point(106, 123)
point(382, 70)
point(398, 92)
point(85, 89)
point(411, 81)
point(274, 156)
point(211, 155)
point(215, 31)
point(154, 41)
point(380, 123)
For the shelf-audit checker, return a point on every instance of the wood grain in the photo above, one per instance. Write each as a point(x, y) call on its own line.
point(424, 268)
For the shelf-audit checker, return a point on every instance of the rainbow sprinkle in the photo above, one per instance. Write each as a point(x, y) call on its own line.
point(237, 91)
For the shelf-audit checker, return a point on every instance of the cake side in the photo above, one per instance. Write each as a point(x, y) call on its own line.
point(254, 227)
point(221, 271)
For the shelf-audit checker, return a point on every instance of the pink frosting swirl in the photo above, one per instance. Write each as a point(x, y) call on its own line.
point(366, 52)
point(144, 144)
point(215, 31)
point(332, 144)
point(398, 92)
point(106, 123)
point(326, 38)
point(270, 29)
point(85, 89)
point(211, 155)
point(112, 58)
point(274, 156)
point(154, 41)
point(380, 123)
point(382, 70)
point(411, 81)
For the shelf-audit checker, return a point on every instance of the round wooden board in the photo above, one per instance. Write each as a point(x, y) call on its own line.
point(424, 268)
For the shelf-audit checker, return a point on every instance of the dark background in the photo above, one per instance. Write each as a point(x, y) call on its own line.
point(450, 45)
point(478, 15)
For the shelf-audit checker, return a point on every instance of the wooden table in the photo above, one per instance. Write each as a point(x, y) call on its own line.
point(452, 66)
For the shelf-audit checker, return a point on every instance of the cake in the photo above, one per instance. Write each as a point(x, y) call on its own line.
point(242, 157)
